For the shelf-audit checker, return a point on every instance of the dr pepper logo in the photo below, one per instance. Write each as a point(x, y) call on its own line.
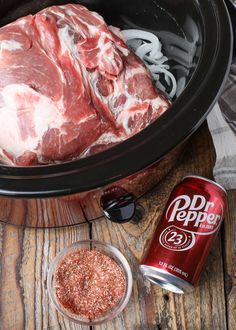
point(194, 214)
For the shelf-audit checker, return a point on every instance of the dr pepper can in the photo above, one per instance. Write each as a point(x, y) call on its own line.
point(185, 235)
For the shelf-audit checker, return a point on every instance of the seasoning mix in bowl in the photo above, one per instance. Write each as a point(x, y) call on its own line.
point(90, 282)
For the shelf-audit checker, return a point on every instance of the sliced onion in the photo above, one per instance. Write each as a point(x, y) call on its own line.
point(135, 43)
point(148, 48)
point(143, 35)
point(157, 62)
point(181, 86)
point(144, 50)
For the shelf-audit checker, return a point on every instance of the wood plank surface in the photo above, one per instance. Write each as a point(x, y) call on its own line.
point(50, 212)
point(27, 253)
point(229, 246)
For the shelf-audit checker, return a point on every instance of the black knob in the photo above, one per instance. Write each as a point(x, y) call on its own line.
point(118, 205)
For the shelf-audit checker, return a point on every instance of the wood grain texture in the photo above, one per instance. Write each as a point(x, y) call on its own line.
point(51, 212)
point(27, 253)
point(229, 243)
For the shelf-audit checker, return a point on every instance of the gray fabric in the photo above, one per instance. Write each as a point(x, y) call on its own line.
point(222, 125)
point(228, 99)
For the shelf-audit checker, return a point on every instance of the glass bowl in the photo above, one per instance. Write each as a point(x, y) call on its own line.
point(106, 249)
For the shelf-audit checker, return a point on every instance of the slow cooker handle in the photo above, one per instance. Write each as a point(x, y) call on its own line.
point(118, 205)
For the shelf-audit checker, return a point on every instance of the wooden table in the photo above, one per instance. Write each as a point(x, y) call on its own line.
point(27, 253)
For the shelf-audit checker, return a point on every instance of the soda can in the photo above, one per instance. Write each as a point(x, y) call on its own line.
point(185, 235)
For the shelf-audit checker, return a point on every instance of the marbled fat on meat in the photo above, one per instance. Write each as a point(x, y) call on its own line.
point(69, 87)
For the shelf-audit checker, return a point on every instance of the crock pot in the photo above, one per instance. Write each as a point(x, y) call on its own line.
point(110, 182)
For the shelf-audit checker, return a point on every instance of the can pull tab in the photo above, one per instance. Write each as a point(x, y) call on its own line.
point(118, 205)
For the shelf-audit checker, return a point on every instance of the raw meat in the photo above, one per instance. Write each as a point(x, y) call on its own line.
point(69, 87)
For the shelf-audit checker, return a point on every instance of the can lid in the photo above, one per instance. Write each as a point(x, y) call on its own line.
point(207, 180)
point(166, 280)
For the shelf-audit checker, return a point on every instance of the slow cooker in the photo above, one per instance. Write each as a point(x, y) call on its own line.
point(200, 33)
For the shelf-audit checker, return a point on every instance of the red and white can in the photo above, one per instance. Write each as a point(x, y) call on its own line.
point(185, 234)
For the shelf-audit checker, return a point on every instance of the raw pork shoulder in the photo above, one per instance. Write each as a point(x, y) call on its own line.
point(69, 87)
